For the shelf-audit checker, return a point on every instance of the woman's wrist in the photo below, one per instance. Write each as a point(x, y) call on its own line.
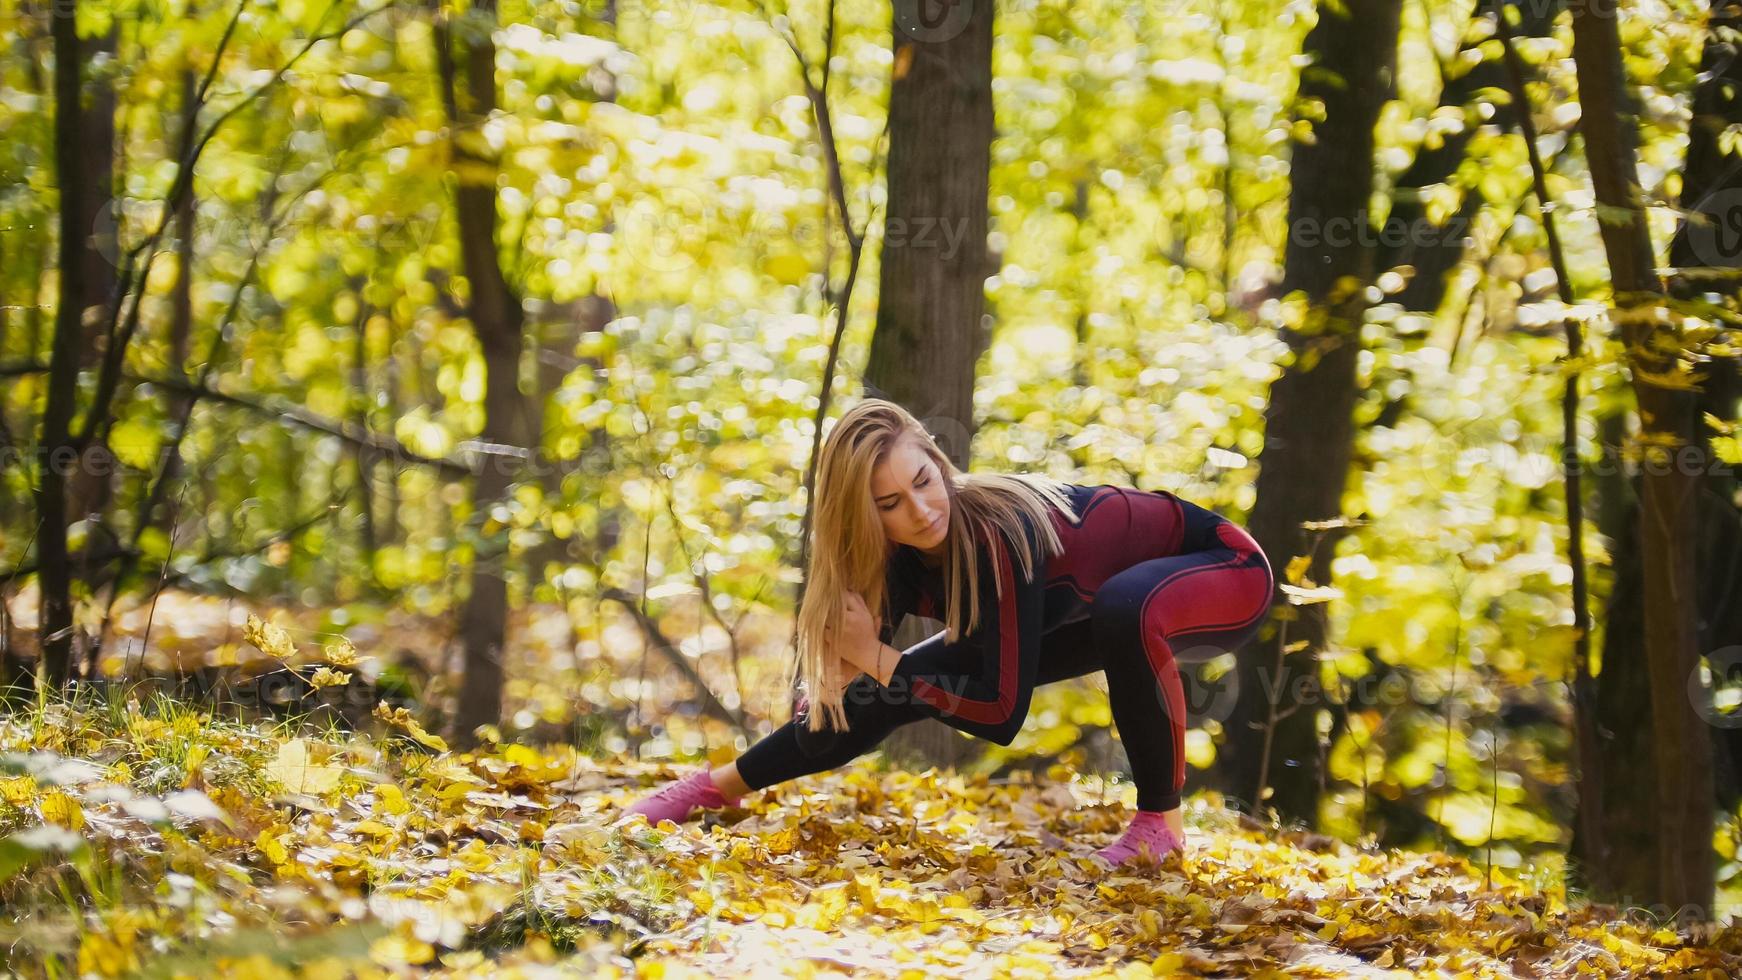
point(886, 660)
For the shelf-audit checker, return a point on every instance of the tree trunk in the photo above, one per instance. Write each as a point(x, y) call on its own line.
point(90, 487)
point(1669, 486)
point(181, 320)
point(497, 320)
point(53, 576)
point(1309, 426)
point(362, 459)
point(1622, 861)
point(931, 309)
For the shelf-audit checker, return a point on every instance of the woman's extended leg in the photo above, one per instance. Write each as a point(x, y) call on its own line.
point(791, 751)
point(1214, 598)
point(788, 752)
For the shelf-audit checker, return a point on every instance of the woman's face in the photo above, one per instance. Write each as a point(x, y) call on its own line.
point(910, 497)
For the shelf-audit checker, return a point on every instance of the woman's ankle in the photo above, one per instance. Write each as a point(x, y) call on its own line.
point(1174, 818)
point(728, 782)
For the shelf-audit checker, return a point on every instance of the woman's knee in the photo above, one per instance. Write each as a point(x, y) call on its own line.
point(1116, 616)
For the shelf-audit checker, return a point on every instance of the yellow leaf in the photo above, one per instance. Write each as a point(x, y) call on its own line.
point(401, 718)
point(374, 828)
point(271, 847)
point(397, 951)
point(191, 765)
point(299, 773)
point(18, 790)
point(269, 639)
point(107, 956)
point(903, 62)
point(62, 810)
point(391, 799)
point(340, 653)
point(328, 677)
point(1297, 568)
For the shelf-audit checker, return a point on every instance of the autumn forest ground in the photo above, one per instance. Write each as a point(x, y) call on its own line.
point(150, 838)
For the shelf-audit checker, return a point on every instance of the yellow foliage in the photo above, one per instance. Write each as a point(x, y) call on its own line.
point(297, 771)
point(402, 718)
point(271, 640)
point(62, 810)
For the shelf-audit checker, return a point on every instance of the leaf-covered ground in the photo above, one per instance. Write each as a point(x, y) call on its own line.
point(157, 841)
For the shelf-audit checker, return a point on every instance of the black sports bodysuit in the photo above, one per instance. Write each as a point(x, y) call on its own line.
point(1142, 574)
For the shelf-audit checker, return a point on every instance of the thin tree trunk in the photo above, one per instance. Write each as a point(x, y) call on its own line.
point(1669, 487)
point(497, 321)
point(362, 460)
point(931, 307)
point(1588, 751)
point(91, 486)
point(181, 320)
point(1309, 426)
point(53, 576)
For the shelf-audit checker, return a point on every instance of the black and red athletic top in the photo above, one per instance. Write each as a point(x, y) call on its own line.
point(982, 683)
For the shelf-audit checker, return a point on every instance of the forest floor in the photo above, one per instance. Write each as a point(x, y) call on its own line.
point(155, 840)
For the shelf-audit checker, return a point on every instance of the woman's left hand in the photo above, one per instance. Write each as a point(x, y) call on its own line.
point(861, 633)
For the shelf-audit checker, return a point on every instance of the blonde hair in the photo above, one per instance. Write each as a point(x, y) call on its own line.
point(850, 552)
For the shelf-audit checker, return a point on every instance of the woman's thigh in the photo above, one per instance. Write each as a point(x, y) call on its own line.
point(1067, 652)
point(1197, 604)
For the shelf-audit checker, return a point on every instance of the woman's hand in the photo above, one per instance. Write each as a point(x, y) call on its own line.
point(861, 634)
point(859, 641)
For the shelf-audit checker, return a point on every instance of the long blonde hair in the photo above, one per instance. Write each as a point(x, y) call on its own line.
point(850, 552)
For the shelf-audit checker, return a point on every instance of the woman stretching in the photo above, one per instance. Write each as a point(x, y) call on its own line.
point(1036, 581)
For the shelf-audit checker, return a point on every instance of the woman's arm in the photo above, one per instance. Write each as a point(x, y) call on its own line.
point(982, 683)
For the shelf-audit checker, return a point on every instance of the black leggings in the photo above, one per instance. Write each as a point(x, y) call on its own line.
point(1191, 606)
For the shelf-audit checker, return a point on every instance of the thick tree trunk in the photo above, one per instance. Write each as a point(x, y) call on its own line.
point(1670, 483)
point(497, 321)
point(931, 306)
point(1622, 861)
point(1309, 427)
point(931, 290)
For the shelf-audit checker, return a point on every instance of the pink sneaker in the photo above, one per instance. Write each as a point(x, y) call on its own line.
point(1148, 836)
point(678, 799)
